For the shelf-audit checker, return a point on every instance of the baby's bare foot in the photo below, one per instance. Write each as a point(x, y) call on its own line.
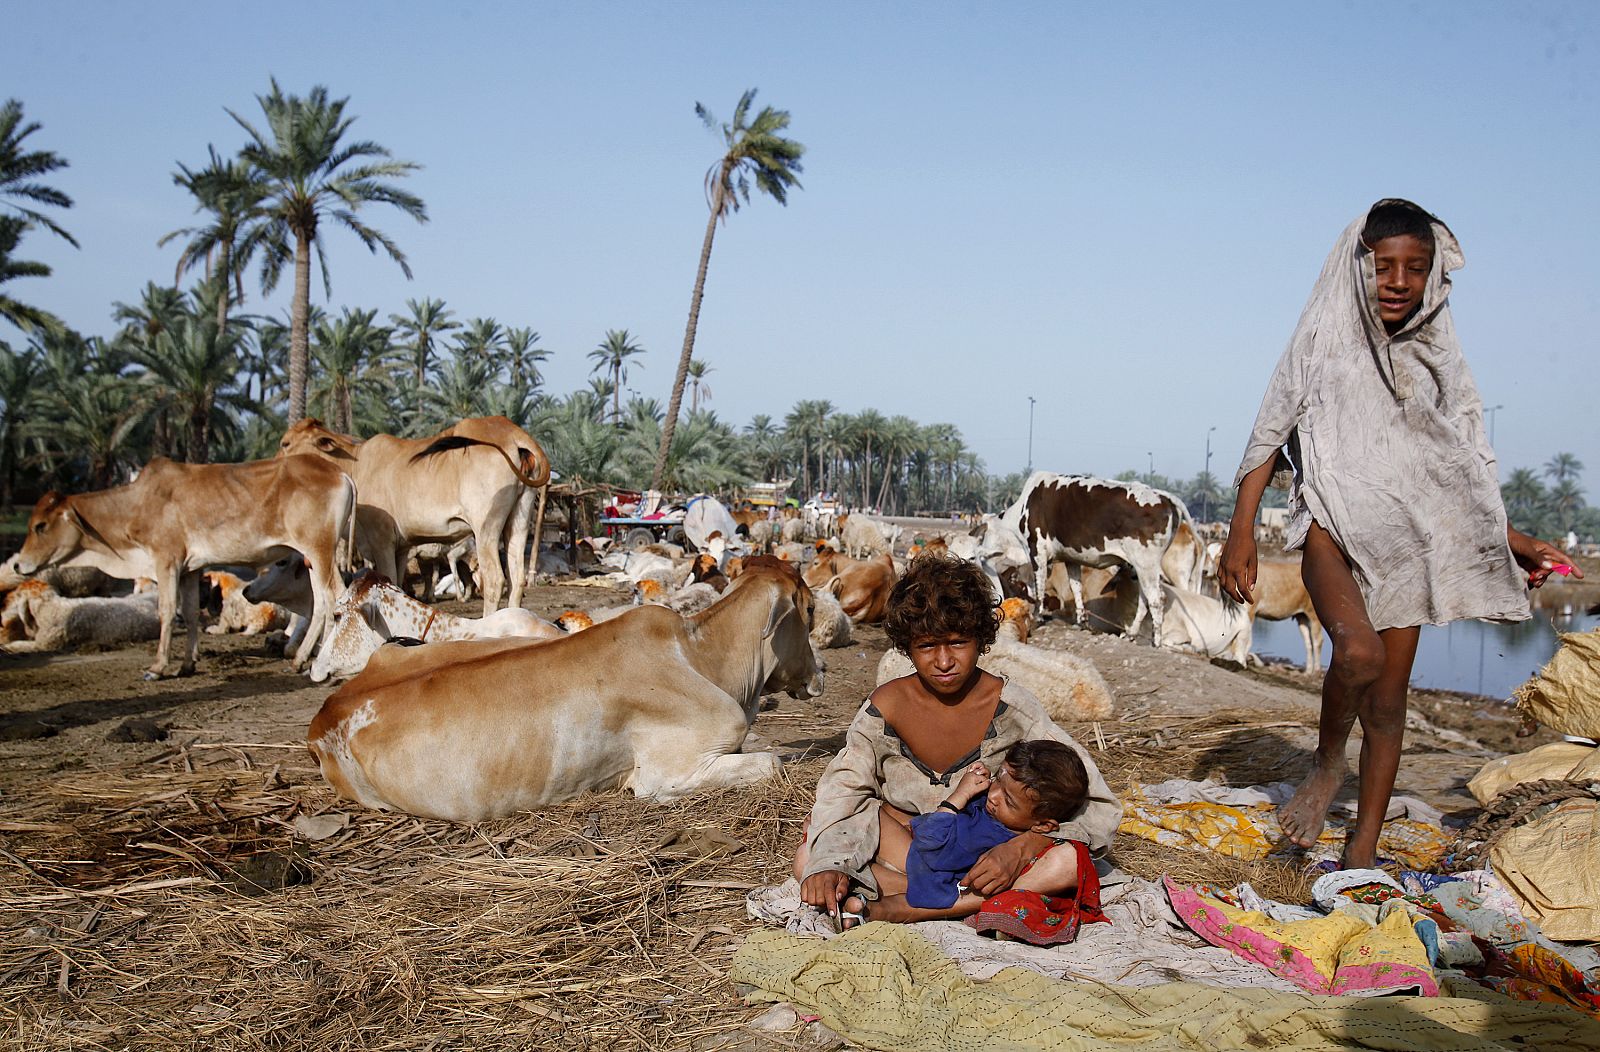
point(1303, 817)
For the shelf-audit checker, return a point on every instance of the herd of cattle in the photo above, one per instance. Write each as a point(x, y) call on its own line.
point(477, 717)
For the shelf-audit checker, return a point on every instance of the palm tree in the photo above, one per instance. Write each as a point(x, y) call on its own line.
point(1563, 466)
point(754, 150)
point(523, 358)
point(804, 423)
point(870, 425)
point(613, 353)
point(191, 367)
point(481, 338)
point(28, 318)
point(91, 419)
point(160, 308)
point(18, 374)
point(697, 376)
point(1523, 493)
point(227, 190)
point(429, 318)
point(461, 392)
point(347, 349)
point(308, 173)
point(19, 172)
point(1566, 502)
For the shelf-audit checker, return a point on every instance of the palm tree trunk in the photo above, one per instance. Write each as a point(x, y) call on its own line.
point(225, 265)
point(616, 393)
point(682, 376)
point(299, 337)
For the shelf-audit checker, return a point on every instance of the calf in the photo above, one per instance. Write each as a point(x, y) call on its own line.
point(177, 519)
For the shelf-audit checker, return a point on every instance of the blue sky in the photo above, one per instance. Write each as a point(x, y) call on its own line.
point(1118, 212)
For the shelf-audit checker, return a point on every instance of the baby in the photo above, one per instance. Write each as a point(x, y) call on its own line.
point(1041, 784)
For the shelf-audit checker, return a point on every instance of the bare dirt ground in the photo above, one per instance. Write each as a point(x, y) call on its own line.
point(154, 894)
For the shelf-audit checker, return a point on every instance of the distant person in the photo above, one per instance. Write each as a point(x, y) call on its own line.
point(914, 739)
point(1394, 500)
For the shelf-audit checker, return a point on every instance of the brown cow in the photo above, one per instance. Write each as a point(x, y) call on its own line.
point(862, 585)
point(1281, 594)
point(177, 519)
point(650, 701)
point(476, 478)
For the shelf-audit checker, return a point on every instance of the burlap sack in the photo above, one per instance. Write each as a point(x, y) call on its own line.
point(1552, 866)
point(1565, 695)
point(1567, 760)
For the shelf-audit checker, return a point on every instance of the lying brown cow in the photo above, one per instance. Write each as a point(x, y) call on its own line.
point(862, 585)
point(177, 519)
point(473, 478)
point(649, 700)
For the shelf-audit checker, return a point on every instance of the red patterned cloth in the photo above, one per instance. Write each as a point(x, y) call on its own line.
point(1044, 920)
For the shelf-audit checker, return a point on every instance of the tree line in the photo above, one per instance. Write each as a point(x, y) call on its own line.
point(190, 374)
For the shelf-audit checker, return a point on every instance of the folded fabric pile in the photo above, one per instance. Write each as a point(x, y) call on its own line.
point(1243, 823)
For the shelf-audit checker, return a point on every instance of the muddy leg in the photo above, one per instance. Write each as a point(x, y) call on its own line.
point(1357, 662)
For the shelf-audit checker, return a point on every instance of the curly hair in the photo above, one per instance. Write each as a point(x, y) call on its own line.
point(1054, 773)
point(941, 596)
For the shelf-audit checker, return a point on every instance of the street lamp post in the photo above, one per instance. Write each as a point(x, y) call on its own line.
point(1489, 412)
point(1031, 400)
point(1152, 472)
point(1205, 494)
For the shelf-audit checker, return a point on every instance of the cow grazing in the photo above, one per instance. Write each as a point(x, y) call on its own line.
point(862, 586)
point(477, 478)
point(649, 701)
point(1280, 593)
point(1096, 522)
point(373, 611)
point(177, 519)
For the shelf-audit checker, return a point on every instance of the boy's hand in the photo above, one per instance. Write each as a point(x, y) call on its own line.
point(998, 868)
point(1539, 558)
point(825, 890)
point(975, 781)
point(1236, 566)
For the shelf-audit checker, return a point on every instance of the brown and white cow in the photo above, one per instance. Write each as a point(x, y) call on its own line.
point(478, 477)
point(175, 520)
point(649, 701)
point(862, 585)
point(1090, 521)
point(235, 613)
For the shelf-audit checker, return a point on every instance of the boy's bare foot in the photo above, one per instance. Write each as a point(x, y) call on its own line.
point(1303, 817)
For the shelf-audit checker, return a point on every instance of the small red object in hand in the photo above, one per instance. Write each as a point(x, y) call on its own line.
point(1561, 568)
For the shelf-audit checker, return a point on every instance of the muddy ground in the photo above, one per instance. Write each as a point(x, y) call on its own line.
point(61, 717)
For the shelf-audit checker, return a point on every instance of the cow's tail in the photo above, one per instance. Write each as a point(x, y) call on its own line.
point(346, 556)
point(531, 468)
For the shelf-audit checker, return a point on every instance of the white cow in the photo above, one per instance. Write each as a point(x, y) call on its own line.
point(373, 611)
point(1199, 623)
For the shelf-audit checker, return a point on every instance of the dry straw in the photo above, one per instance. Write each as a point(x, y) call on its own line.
point(173, 904)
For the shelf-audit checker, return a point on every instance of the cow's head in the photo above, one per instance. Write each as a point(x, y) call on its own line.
point(310, 437)
point(351, 639)
point(56, 532)
point(284, 582)
point(791, 661)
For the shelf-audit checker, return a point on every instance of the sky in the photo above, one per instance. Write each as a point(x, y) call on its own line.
point(1118, 210)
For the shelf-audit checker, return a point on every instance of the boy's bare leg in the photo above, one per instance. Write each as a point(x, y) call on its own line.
point(1383, 727)
point(1357, 662)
